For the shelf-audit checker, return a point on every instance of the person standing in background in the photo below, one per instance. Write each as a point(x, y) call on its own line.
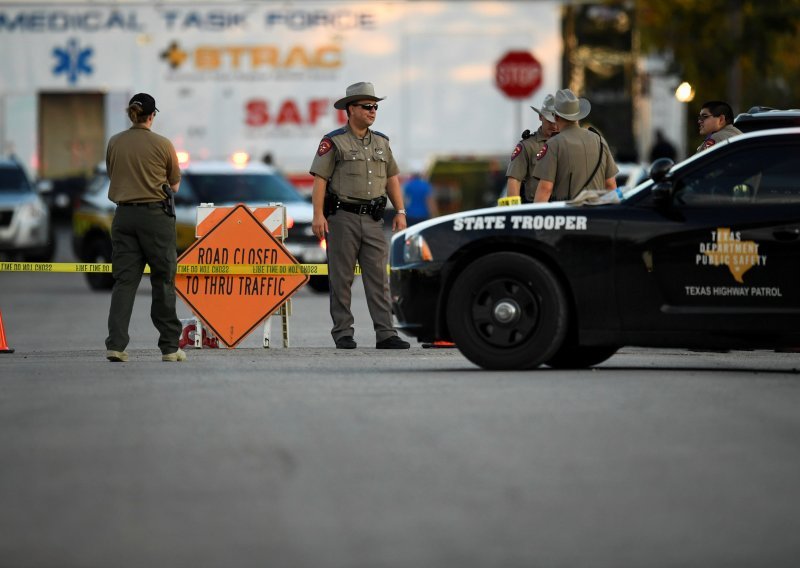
point(419, 198)
point(519, 173)
point(139, 162)
point(576, 159)
point(715, 122)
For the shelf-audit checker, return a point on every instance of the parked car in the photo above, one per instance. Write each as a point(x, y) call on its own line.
point(214, 182)
point(704, 254)
point(26, 229)
point(762, 118)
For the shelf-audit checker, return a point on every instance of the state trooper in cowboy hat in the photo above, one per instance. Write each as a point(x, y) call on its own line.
point(577, 158)
point(354, 172)
point(523, 158)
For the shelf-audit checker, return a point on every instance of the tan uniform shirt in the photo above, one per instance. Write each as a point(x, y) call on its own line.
point(138, 162)
point(523, 161)
point(724, 133)
point(568, 160)
point(356, 169)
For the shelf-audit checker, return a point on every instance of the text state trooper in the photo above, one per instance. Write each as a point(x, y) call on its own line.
point(354, 170)
point(523, 158)
point(576, 159)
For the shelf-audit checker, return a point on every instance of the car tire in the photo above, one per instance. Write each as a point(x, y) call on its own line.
point(572, 356)
point(319, 283)
point(507, 311)
point(99, 250)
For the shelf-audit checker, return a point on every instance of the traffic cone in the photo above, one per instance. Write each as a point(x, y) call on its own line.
point(4, 348)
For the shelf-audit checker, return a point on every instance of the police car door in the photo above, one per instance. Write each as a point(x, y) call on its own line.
point(724, 256)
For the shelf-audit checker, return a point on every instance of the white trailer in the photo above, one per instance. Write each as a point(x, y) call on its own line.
point(261, 77)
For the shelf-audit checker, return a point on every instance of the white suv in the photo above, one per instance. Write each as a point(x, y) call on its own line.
point(25, 227)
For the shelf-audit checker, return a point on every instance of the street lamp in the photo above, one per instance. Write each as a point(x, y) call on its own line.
point(684, 93)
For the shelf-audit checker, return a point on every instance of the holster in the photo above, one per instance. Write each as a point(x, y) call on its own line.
point(330, 204)
point(378, 205)
point(168, 203)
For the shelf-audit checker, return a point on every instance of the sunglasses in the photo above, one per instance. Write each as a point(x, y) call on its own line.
point(702, 117)
point(368, 107)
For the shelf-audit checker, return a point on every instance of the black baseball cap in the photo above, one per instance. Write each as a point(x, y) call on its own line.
point(145, 101)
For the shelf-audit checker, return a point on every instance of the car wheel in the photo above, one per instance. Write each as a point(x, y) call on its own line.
point(319, 283)
point(580, 357)
point(99, 250)
point(507, 311)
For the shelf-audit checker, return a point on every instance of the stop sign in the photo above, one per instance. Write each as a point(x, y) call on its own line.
point(518, 74)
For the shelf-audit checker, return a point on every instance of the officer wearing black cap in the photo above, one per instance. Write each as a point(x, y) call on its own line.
point(354, 171)
point(139, 162)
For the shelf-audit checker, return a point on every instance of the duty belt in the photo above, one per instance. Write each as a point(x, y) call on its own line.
point(357, 208)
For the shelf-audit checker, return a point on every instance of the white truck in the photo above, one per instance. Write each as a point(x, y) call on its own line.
point(261, 77)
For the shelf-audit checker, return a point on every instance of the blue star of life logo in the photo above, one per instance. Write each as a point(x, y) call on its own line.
point(72, 60)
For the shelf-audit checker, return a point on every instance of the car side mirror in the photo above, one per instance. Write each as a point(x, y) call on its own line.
point(660, 169)
point(662, 193)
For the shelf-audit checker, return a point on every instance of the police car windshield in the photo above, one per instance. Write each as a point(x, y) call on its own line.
point(242, 188)
point(13, 180)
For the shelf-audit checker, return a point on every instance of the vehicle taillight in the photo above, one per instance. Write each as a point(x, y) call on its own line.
point(289, 221)
point(183, 159)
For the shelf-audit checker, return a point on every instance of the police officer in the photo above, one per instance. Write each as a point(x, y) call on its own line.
point(715, 122)
point(523, 158)
point(577, 158)
point(354, 171)
point(139, 162)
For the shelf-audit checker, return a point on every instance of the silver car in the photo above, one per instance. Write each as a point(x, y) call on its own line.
point(25, 227)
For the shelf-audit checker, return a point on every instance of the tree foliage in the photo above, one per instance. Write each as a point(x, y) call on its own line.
point(743, 51)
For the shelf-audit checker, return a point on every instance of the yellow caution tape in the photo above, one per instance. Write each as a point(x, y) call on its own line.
point(201, 269)
point(514, 200)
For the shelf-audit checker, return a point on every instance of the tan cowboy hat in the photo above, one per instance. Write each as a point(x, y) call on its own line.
point(570, 107)
point(547, 108)
point(357, 92)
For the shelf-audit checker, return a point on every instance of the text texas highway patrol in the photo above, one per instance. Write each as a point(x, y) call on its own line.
point(536, 222)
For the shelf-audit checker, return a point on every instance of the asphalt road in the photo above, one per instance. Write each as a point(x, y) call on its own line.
point(310, 456)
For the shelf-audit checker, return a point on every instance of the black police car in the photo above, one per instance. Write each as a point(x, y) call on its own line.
point(705, 254)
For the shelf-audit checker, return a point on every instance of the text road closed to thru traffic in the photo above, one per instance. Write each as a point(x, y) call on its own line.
point(233, 305)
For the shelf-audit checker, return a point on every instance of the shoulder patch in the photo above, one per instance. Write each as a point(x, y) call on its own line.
point(381, 134)
point(541, 152)
point(516, 152)
point(708, 142)
point(325, 146)
point(337, 132)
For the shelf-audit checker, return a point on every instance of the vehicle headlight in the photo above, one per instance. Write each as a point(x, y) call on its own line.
point(416, 249)
point(33, 210)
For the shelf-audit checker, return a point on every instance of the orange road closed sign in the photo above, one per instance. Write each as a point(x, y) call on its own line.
point(232, 305)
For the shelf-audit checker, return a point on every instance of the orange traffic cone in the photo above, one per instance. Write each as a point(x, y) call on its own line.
point(4, 348)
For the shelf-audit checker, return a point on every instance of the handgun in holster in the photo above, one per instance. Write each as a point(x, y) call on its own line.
point(330, 204)
point(168, 203)
point(377, 206)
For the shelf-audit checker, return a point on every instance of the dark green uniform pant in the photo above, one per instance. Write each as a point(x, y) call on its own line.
point(359, 238)
point(139, 236)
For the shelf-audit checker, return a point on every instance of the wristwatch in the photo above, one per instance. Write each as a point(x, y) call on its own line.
point(400, 212)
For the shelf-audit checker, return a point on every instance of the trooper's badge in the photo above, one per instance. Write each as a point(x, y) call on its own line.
point(324, 146)
point(708, 142)
point(516, 152)
point(541, 152)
